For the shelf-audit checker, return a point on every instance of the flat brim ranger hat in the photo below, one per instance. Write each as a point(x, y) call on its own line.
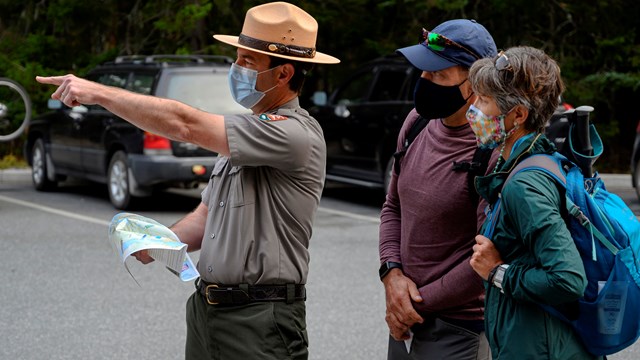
point(282, 30)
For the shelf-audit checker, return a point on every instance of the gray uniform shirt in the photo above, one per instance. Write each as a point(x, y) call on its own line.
point(262, 200)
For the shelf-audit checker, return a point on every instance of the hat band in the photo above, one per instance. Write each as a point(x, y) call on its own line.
point(277, 48)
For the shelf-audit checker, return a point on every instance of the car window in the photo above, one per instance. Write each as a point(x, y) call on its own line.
point(203, 89)
point(356, 90)
point(141, 83)
point(113, 79)
point(388, 86)
point(117, 79)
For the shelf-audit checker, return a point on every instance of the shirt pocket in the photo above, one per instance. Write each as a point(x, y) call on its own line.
point(243, 186)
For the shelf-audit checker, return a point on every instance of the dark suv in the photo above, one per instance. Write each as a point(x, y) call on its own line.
point(362, 119)
point(92, 143)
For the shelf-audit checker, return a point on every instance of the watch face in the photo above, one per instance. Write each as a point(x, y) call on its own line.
point(387, 266)
point(384, 269)
point(499, 277)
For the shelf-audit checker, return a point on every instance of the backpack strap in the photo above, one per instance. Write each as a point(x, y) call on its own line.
point(413, 133)
point(546, 163)
point(477, 167)
point(552, 165)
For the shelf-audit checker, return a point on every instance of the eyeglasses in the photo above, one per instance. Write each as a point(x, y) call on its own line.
point(502, 62)
point(438, 42)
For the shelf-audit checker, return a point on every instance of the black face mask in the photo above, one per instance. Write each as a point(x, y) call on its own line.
point(433, 101)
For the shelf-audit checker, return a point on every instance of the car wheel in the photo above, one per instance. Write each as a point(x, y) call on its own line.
point(39, 167)
point(388, 172)
point(118, 181)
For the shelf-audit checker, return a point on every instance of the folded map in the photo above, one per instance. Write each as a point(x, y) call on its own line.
point(129, 233)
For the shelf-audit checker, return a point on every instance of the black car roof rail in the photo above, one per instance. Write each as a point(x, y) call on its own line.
point(149, 59)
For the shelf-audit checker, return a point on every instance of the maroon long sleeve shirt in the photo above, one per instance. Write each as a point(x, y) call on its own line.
point(429, 221)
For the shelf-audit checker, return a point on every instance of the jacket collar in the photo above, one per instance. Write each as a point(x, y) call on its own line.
point(491, 185)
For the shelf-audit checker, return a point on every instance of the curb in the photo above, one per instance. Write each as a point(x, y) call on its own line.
point(15, 175)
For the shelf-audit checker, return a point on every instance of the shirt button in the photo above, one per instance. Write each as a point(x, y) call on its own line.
point(209, 269)
point(213, 235)
point(221, 203)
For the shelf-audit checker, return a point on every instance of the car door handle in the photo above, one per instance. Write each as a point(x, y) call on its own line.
point(342, 111)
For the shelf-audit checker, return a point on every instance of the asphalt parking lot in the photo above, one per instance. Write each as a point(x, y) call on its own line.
point(66, 296)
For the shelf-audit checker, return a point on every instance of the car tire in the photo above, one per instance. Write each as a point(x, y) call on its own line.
point(118, 181)
point(39, 168)
point(388, 172)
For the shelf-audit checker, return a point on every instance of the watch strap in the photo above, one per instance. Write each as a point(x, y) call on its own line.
point(498, 277)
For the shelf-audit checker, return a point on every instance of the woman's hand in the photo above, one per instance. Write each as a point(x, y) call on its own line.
point(485, 257)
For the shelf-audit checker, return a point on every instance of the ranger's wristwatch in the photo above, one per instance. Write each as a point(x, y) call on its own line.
point(499, 276)
point(387, 266)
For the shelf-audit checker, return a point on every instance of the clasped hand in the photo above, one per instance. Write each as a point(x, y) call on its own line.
point(400, 291)
point(485, 257)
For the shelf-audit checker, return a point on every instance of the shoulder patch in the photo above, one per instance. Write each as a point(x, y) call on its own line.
point(272, 117)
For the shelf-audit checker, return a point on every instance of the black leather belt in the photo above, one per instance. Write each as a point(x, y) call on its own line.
point(218, 294)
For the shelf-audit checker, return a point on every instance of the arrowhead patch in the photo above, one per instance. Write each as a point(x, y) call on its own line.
point(272, 117)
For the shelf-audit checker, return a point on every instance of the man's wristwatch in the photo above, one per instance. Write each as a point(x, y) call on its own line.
point(499, 276)
point(387, 266)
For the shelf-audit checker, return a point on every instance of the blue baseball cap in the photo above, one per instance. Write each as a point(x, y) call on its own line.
point(467, 33)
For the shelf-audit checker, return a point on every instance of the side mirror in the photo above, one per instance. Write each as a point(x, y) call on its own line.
point(54, 104)
point(319, 98)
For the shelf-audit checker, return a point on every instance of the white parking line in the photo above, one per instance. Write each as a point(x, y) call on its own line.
point(55, 211)
point(106, 223)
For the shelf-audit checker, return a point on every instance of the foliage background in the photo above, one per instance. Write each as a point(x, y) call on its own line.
point(596, 43)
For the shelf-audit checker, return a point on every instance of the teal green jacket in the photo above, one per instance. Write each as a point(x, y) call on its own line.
point(544, 264)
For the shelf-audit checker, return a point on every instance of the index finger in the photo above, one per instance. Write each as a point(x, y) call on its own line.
point(409, 315)
point(51, 80)
point(481, 239)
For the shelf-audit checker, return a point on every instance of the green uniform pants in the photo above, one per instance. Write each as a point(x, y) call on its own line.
point(260, 330)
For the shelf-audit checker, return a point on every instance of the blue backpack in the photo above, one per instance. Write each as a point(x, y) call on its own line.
point(607, 235)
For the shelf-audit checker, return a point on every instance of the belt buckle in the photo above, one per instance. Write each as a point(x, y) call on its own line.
point(206, 291)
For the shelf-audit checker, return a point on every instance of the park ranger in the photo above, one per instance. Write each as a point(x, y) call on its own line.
point(255, 220)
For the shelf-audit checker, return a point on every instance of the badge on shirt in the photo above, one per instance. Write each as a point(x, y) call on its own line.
point(272, 117)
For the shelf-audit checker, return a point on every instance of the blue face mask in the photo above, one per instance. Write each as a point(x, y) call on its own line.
point(242, 83)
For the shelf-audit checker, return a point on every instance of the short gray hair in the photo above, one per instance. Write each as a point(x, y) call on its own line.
point(532, 79)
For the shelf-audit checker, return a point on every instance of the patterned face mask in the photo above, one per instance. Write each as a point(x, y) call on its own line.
point(489, 129)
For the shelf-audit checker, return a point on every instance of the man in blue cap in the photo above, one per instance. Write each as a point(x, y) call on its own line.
point(432, 212)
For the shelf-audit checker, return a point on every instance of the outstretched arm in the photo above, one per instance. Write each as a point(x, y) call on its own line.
point(165, 117)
